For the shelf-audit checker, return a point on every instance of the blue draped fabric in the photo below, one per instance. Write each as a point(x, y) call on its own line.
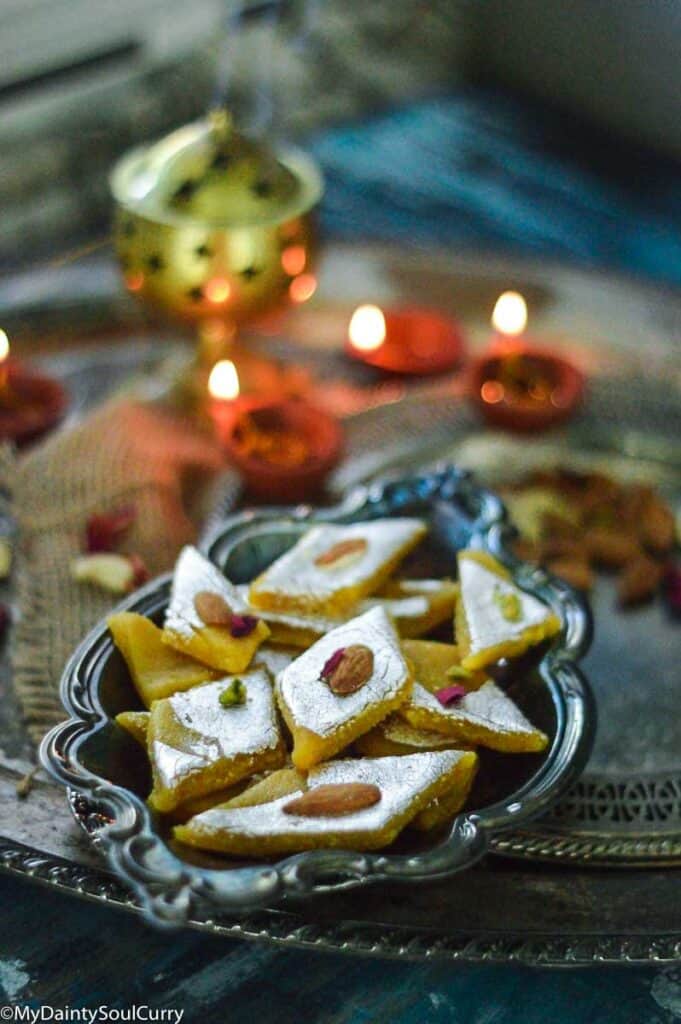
point(486, 170)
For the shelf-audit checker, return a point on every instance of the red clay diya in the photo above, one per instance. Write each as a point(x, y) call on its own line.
point(526, 388)
point(284, 448)
point(30, 402)
point(407, 340)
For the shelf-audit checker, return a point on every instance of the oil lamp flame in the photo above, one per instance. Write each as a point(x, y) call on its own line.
point(510, 314)
point(367, 329)
point(4, 346)
point(223, 382)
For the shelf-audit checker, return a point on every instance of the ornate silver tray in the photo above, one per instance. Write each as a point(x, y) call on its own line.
point(89, 755)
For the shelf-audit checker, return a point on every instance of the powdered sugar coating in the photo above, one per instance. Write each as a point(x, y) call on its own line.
point(193, 574)
point(486, 623)
point(311, 702)
point(295, 574)
point(216, 733)
point(401, 781)
point(488, 707)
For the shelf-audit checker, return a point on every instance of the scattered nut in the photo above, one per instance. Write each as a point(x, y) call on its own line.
point(638, 581)
point(114, 573)
point(333, 801)
point(610, 550)
point(103, 532)
point(656, 527)
point(575, 571)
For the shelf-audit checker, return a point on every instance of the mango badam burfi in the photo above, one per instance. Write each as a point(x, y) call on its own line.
point(207, 619)
point(355, 804)
point(211, 737)
point(394, 737)
point(415, 606)
point(332, 567)
point(342, 686)
point(495, 618)
point(485, 716)
point(136, 723)
point(155, 669)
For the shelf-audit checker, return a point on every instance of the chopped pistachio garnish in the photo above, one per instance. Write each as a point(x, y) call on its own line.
point(458, 672)
point(233, 694)
point(509, 605)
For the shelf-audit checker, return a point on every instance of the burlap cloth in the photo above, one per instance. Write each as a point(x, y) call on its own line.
point(124, 454)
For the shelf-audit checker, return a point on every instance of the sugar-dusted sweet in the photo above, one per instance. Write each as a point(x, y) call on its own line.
point(156, 670)
point(444, 808)
point(207, 619)
point(395, 737)
point(434, 664)
point(212, 736)
point(332, 567)
point(495, 618)
point(486, 716)
point(357, 804)
point(136, 723)
point(342, 686)
point(417, 606)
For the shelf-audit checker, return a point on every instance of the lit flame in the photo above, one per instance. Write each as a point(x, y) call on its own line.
point(510, 314)
point(223, 382)
point(217, 290)
point(4, 346)
point(367, 328)
point(302, 287)
point(293, 259)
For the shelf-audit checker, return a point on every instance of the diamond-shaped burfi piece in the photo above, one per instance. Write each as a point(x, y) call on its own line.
point(333, 567)
point(342, 686)
point(355, 804)
point(485, 716)
point(417, 606)
point(435, 664)
point(444, 808)
point(207, 619)
point(136, 723)
point(394, 737)
point(212, 736)
point(156, 670)
point(494, 618)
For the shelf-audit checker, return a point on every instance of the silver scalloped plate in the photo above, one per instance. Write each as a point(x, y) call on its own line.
point(91, 756)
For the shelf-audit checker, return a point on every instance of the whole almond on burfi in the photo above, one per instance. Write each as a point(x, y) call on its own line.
point(608, 549)
point(349, 672)
point(639, 581)
point(334, 800)
point(212, 609)
point(342, 554)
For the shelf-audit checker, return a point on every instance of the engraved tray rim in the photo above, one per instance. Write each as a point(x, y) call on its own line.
point(170, 890)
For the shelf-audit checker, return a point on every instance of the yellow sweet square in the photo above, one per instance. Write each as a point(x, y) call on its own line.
point(342, 686)
point(333, 567)
point(232, 634)
point(211, 736)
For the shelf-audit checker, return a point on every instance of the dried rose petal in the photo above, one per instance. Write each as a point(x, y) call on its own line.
point(332, 663)
point(102, 532)
point(671, 590)
point(242, 625)
point(451, 695)
point(140, 572)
